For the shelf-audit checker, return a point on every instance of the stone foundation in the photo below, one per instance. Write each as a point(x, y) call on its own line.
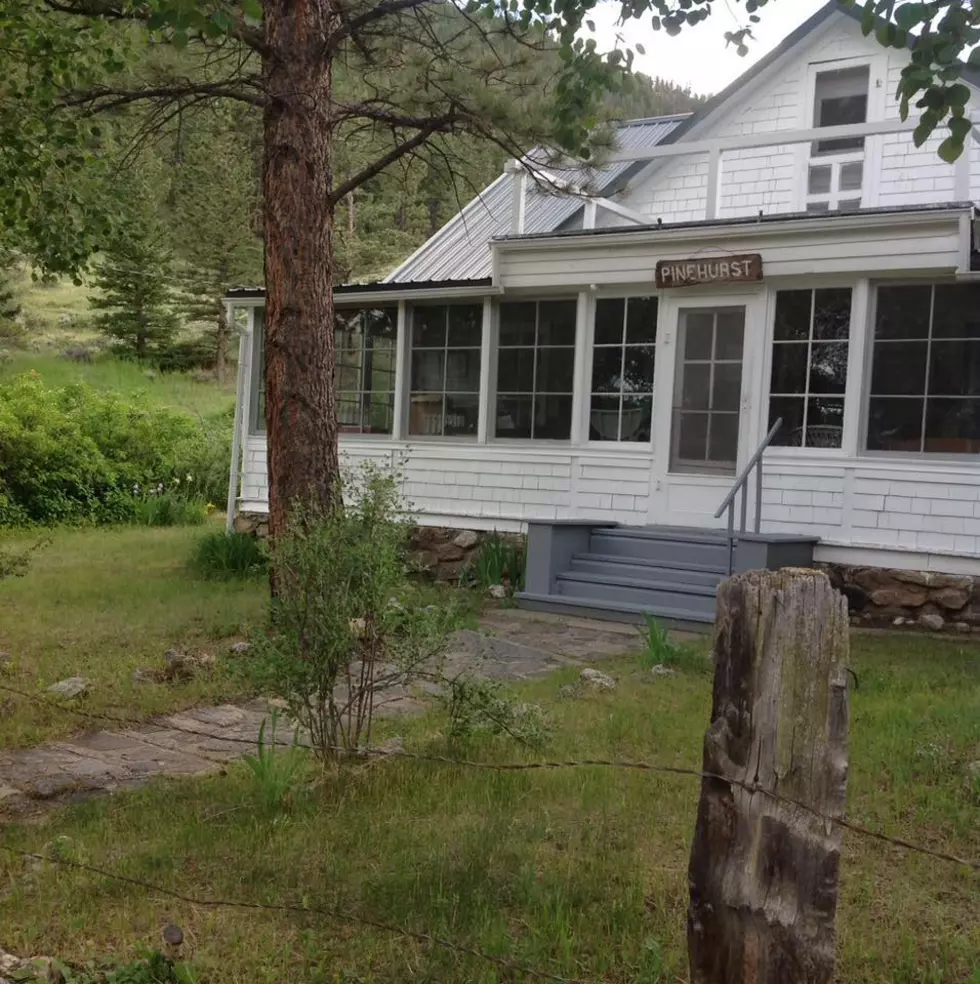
point(884, 597)
point(440, 553)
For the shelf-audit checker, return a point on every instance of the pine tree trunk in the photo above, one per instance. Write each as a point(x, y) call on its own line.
point(300, 408)
point(221, 346)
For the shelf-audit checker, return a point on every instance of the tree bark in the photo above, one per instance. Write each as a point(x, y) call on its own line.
point(763, 873)
point(221, 346)
point(300, 407)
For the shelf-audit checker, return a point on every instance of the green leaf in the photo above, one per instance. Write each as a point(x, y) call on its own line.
point(923, 131)
point(958, 95)
point(950, 149)
point(252, 9)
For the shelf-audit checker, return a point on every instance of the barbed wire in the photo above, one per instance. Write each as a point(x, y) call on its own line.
point(296, 907)
point(539, 766)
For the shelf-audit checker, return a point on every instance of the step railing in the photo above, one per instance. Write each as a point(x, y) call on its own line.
point(742, 486)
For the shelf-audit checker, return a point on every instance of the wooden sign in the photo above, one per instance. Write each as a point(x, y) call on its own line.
point(742, 269)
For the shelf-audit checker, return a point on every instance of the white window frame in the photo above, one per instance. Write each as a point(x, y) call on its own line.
point(965, 458)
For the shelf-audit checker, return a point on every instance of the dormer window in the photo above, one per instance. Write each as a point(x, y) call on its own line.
point(835, 178)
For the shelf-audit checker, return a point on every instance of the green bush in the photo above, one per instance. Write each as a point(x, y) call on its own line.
point(76, 454)
point(222, 556)
point(497, 560)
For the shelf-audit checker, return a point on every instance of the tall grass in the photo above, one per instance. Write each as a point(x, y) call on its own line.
point(224, 556)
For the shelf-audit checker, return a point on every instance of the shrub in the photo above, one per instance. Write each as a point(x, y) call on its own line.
point(274, 772)
point(79, 455)
point(171, 508)
point(338, 635)
point(486, 708)
point(222, 556)
point(497, 561)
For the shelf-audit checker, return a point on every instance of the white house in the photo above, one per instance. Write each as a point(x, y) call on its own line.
point(599, 357)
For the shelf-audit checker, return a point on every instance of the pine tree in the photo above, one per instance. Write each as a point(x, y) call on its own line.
point(136, 297)
point(9, 307)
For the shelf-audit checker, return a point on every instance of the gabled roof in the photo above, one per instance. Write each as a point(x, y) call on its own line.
point(460, 250)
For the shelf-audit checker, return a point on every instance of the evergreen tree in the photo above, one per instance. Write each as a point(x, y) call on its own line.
point(9, 306)
point(135, 302)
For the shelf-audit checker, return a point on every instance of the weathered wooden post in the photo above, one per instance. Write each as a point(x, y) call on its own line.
point(763, 872)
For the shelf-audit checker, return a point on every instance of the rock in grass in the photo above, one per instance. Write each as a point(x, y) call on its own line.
point(568, 692)
point(71, 688)
point(466, 539)
point(596, 680)
point(660, 670)
point(497, 591)
point(239, 648)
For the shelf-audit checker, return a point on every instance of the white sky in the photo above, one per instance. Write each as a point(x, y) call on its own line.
point(698, 56)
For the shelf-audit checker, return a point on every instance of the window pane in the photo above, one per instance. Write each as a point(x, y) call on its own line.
point(552, 418)
point(790, 409)
point(604, 419)
point(728, 387)
point(425, 414)
point(465, 324)
point(819, 179)
point(957, 313)
point(638, 369)
point(851, 176)
point(514, 416)
point(894, 424)
point(953, 426)
point(824, 423)
point(815, 207)
point(828, 367)
point(832, 314)
point(899, 368)
point(788, 368)
point(697, 386)
point(637, 416)
point(793, 308)
point(463, 371)
point(348, 377)
point(461, 413)
point(698, 335)
point(517, 323)
point(723, 443)
point(515, 370)
point(380, 413)
point(849, 205)
point(429, 326)
point(954, 369)
point(641, 319)
point(730, 335)
point(556, 323)
point(555, 367)
point(609, 314)
point(381, 322)
point(428, 369)
point(349, 412)
point(607, 370)
point(903, 312)
point(692, 439)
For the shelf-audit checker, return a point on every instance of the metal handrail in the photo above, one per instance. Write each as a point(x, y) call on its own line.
point(741, 485)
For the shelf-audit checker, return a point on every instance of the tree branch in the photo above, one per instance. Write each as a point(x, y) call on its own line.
point(105, 98)
point(351, 26)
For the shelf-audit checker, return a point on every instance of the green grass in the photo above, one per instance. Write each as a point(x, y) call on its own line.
point(173, 389)
point(577, 872)
point(102, 603)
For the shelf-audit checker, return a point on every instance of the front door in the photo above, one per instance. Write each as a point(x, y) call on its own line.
point(707, 391)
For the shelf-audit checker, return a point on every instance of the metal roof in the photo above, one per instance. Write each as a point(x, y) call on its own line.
point(460, 250)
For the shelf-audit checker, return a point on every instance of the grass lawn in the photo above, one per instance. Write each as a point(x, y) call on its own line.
point(102, 603)
point(578, 872)
point(176, 390)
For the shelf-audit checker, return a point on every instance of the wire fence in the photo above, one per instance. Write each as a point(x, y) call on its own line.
point(537, 766)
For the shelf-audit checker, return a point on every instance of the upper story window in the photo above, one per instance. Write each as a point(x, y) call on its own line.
point(809, 366)
point(535, 370)
point(445, 393)
point(623, 360)
point(925, 370)
point(364, 343)
point(835, 177)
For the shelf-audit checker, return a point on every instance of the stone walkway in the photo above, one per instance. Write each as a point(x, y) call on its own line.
point(511, 645)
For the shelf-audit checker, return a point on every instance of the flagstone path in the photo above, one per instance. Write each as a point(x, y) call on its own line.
point(510, 645)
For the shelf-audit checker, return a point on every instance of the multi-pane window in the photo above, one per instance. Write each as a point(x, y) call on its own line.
point(445, 391)
point(364, 343)
point(535, 368)
point(809, 366)
point(622, 369)
point(835, 177)
point(925, 371)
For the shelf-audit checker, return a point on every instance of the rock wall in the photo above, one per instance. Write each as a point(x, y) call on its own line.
point(879, 596)
point(440, 553)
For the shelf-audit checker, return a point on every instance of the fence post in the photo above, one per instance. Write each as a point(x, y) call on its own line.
point(763, 873)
